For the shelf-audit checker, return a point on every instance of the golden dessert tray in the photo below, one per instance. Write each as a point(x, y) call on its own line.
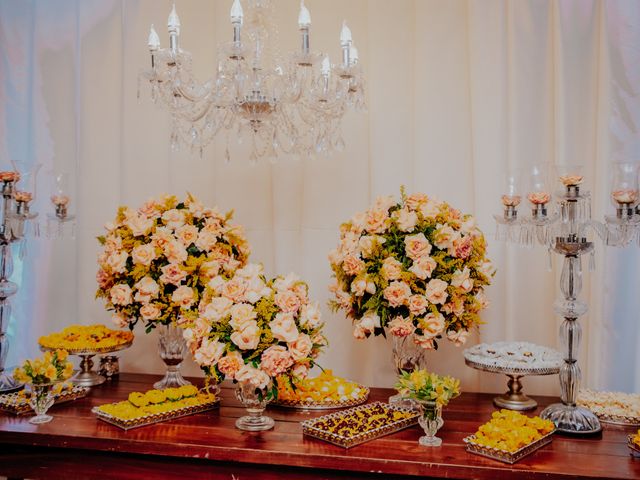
point(150, 419)
point(325, 405)
point(635, 448)
point(310, 428)
point(17, 404)
point(503, 455)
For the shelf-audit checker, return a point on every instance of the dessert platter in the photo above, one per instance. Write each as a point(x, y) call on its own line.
point(18, 403)
point(156, 406)
point(357, 425)
point(87, 342)
point(510, 436)
point(612, 407)
point(323, 392)
point(515, 360)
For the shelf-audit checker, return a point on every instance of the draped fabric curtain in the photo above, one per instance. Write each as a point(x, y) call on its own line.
point(458, 92)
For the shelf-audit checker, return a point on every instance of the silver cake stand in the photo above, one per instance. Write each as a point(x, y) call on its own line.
point(514, 398)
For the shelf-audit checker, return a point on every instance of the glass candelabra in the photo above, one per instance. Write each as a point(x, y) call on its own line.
point(285, 105)
point(565, 228)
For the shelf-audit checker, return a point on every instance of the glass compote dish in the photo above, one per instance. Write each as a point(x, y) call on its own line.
point(172, 347)
point(253, 390)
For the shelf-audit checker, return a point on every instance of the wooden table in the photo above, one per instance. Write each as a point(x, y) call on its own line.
point(77, 445)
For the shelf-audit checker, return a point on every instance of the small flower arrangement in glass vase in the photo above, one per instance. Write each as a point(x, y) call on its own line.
point(41, 375)
point(416, 268)
point(156, 263)
point(252, 330)
point(430, 392)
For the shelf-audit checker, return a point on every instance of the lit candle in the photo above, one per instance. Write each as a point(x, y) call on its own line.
point(304, 18)
point(154, 40)
point(236, 12)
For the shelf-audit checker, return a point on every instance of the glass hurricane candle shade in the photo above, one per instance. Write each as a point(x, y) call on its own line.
point(255, 401)
point(431, 421)
point(624, 188)
point(172, 348)
point(539, 193)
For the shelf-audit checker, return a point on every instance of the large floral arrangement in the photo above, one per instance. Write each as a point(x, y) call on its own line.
point(417, 267)
point(253, 330)
point(158, 260)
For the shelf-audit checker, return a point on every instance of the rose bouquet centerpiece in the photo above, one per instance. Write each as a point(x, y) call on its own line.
point(156, 263)
point(253, 330)
point(430, 392)
point(417, 268)
point(42, 374)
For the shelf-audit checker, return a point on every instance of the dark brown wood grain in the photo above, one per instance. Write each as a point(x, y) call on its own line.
point(77, 445)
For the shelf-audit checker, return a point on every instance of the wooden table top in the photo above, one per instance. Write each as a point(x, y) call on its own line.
point(76, 441)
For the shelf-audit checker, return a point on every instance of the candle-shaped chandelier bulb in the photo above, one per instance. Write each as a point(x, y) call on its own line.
point(353, 53)
point(173, 24)
point(346, 41)
point(236, 12)
point(326, 66)
point(154, 40)
point(304, 18)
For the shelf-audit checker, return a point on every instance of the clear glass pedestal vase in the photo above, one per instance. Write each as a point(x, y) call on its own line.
point(172, 348)
point(407, 357)
point(255, 401)
point(430, 420)
point(41, 400)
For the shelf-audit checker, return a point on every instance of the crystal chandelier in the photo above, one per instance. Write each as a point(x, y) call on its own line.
point(291, 105)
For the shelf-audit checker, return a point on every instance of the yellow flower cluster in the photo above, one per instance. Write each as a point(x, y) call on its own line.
point(157, 401)
point(324, 388)
point(423, 385)
point(510, 431)
point(51, 367)
point(636, 438)
point(86, 337)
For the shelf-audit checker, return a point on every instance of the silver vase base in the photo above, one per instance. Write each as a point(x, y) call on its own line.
point(255, 424)
point(572, 419)
point(9, 384)
point(38, 419)
point(430, 441)
point(171, 379)
point(515, 401)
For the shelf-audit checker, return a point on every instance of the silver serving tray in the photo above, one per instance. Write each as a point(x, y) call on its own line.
point(309, 428)
point(503, 455)
point(8, 405)
point(328, 405)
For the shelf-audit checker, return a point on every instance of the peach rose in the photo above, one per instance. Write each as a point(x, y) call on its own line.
point(301, 347)
point(117, 262)
point(217, 309)
point(148, 286)
point(461, 280)
point(275, 360)
point(210, 269)
point(376, 220)
point(461, 247)
point(230, 364)
point(458, 338)
point(253, 376)
point(310, 316)
point(241, 313)
point(287, 301)
point(424, 342)
point(139, 224)
point(430, 209)
point(391, 269)
point(150, 312)
point(486, 269)
point(161, 237)
point(104, 279)
point(173, 218)
point(112, 244)
point(369, 322)
point(300, 370)
point(196, 208)
point(482, 300)
point(143, 255)
point(256, 289)
point(432, 324)
point(401, 326)
point(417, 246)
point(234, 289)
point(359, 287)
point(406, 220)
point(214, 226)
point(418, 304)
point(397, 293)
point(416, 200)
point(175, 252)
point(187, 234)
point(206, 240)
point(183, 296)
point(283, 327)
point(454, 306)
point(173, 274)
point(335, 257)
point(352, 265)
point(423, 267)
point(469, 226)
point(209, 353)
point(444, 236)
point(359, 333)
point(436, 291)
point(149, 209)
point(248, 337)
point(368, 243)
point(121, 294)
point(119, 320)
point(385, 202)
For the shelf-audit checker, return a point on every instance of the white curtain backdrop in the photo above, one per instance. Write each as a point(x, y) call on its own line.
point(458, 91)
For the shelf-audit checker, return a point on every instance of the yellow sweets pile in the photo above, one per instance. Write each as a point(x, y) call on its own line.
point(510, 431)
point(636, 439)
point(324, 388)
point(86, 337)
point(157, 401)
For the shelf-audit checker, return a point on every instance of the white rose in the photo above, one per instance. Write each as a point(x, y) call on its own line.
point(458, 338)
point(148, 286)
point(206, 240)
point(248, 338)
point(139, 224)
point(209, 353)
point(369, 243)
point(183, 296)
point(254, 376)
point(391, 269)
point(187, 234)
point(117, 262)
point(121, 294)
point(217, 309)
point(432, 325)
point(242, 313)
point(461, 280)
point(175, 252)
point(423, 267)
point(369, 322)
point(283, 327)
point(150, 312)
point(143, 255)
point(119, 320)
point(406, 220)
point(436, 291)
point(310, 316)
point(444, 236)
point(173, 218)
